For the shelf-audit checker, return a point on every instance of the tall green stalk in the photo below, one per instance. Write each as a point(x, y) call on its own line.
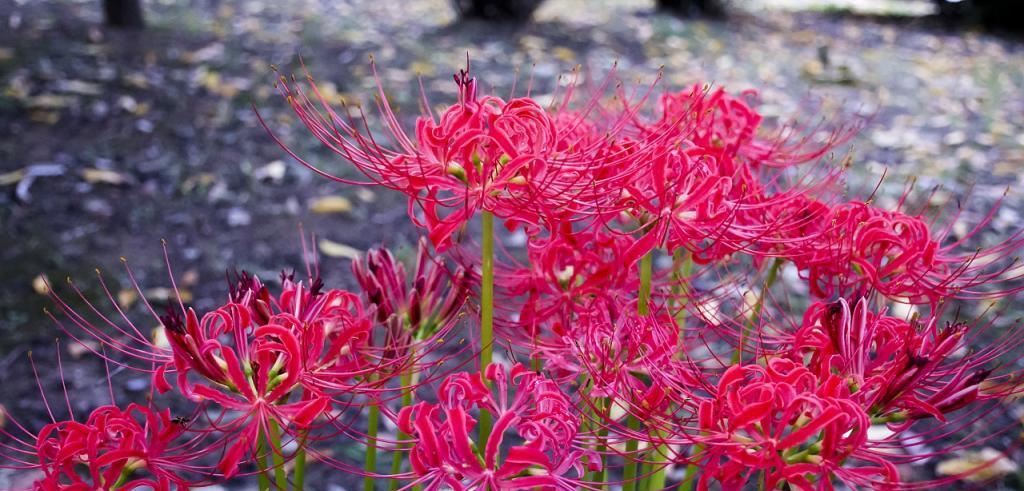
point(773, 274)
point(630, 468)
point(643, 307)
point(691, 473)
point(486, 309)
point(262, 481)
point(276, 455)
point(682, 266)
point(300, 467)
point(398, 455)
point(643, 304)
point(371, 446)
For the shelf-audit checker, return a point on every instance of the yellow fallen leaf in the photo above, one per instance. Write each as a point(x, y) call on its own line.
point(189, 278)
point(330, 204)
point(127, 297)
point(564, 54)
point(78, 349)
point(423, 68)
point(166, 295)
point(981, 465)
point(159, 337)
point(45, 117)
point(13, 177)
point(365, 195)
point(104, 176)
point(41, 285)
point(49, 101)
point(203, 179)
point(335, 249)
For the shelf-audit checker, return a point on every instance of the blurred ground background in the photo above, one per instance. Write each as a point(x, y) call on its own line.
point(111, 140)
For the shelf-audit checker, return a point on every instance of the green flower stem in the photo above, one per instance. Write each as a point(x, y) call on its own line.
point(300, 467)
point(773, 274)
point(276, 455)
point(603, 407)
point(592, 414)
point(682, 268)
point(262, 481)
point(691, 471)
point(629, 469)
point(371, 446)
point(643, 307)
point(659, 460)
point(123, 478)
point(486, 310)
point(399, 455)
point(643, 304)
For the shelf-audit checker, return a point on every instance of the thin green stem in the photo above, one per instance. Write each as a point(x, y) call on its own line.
point(682, 266)
point(629, 469)
point(755, 316)
point(371, 446)
point(602, 433)
point(643, 304)
point(486, 309)
point(300, 467)
point(399, 455)
point(123, 478)
point(262, 480)
point(276, 455)
point(659, 460)
point(691, 471)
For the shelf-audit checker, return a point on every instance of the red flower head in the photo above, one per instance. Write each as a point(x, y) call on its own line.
point(783, 420)
point(539, 413)
point(853, 249)
point(270, 359)
point(429, 304)
point(114, 449)
point(566, 272)
point(900, 370)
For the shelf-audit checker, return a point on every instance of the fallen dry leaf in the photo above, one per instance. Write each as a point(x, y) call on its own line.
point(982, 465)
point(78, 349)
point(12, 177)
point(127, 297)
point(159, 338)
point(189, 278)
point(330, 204)
point(104, 176)
point(274, 171)
point(365, 195)
point(166, 295)
point(334, 249)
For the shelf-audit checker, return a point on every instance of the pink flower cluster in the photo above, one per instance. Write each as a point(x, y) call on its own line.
point(650, 334)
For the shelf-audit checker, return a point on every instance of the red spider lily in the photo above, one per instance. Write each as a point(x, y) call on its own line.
point(702, 183)
point(854, 248)
point(288, 356)
point(432, 300)
point(610, 347)
point(540, 414)
point(261, 359)
point(512, 158)
point(901, 370)
point(787, 424)
point(564, 274)
point(114, 449)
point(727, 127)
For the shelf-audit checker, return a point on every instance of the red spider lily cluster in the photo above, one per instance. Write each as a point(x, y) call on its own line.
point(699, 303)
